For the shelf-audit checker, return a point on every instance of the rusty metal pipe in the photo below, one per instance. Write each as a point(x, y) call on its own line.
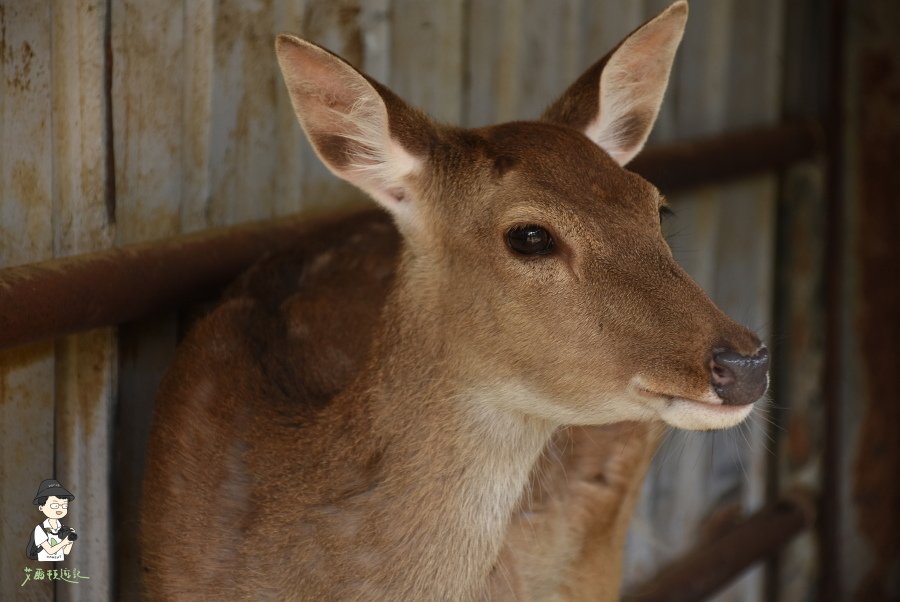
point(703, 571)
point(61, 296)
point(110, 287)
point(683, 165)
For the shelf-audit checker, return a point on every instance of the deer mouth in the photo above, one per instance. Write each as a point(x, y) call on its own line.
point(692, 414)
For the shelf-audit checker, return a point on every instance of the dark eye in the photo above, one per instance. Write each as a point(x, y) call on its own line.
point(529, 240)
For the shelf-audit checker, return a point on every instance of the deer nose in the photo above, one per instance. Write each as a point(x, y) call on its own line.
point(739, 379)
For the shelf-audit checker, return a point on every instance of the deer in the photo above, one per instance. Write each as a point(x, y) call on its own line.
point(393, 409)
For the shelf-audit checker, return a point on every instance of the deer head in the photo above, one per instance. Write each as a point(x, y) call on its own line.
point(534, 264)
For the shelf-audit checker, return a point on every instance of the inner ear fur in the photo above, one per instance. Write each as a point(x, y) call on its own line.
point(616, 101)
point(362, 131)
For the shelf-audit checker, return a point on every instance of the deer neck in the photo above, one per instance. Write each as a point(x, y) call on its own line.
point(456, 457)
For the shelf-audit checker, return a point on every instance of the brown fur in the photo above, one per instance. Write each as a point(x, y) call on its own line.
point(374, 417)
point(566, 540)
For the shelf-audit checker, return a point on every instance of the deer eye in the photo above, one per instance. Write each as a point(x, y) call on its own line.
point(529, 240)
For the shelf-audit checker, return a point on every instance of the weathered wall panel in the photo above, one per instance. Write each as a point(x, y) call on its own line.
point(244, 87)
point(148, 114)
point(427, 56)
point(85, 393)
point(85, 363)
point(26, 234)
point(870, 395)
point(520, 56)
point(198, 60)
point(26, 453)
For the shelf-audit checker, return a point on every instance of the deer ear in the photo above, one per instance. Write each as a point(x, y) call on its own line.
point(616, 101)
point(362, 131)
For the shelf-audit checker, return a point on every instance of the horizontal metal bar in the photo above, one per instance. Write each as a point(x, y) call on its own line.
point(65, 295)
point(77, 293)
point(703, 571)
point(683, 165)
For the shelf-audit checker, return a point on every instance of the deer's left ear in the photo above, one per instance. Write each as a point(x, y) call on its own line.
point(616, 101)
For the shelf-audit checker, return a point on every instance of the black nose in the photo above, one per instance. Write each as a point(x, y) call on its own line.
point(739, 379)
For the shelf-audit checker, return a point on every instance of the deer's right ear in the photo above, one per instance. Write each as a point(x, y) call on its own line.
point(616, 101)
point(361, 131)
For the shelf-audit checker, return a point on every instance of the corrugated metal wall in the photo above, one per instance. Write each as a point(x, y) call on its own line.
point(129, 121)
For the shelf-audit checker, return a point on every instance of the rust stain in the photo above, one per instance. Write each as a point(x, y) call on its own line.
point(876, 490)
point(27, 183)
point(17, 359)
point(28, 238)
point(20, 78)
point(237, 23)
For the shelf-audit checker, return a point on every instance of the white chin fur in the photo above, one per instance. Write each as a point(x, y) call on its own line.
point(700, 416)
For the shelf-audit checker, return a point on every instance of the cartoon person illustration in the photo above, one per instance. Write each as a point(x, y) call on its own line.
point(52, 539)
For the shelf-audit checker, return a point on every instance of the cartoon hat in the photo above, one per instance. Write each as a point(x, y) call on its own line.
point(50, 487)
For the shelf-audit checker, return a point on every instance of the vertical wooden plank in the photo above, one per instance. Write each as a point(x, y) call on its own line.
point(520, 55)
point(242, 149)
point(26, 235)
point(549, 56)
point(426, 56)
point(700, 78)
point(374, 22)
point(26, 458)
point(85, 363)
point(493, 40)
point(148, 86)
point(149, 107)
point(85, 394)
point(196, 202)
point(82, 212)
point(25, 163)
point(604, 24)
